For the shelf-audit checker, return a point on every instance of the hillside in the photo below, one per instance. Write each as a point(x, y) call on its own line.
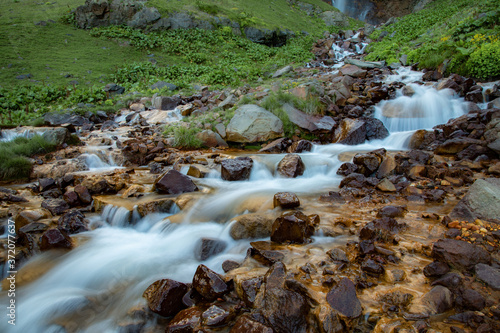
point(460, 37)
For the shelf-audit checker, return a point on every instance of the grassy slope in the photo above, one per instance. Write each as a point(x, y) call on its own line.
point(446, 30)
point(53, 51)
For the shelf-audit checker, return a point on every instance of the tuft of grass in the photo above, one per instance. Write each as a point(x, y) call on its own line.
point(185, 138)
point(14, 163)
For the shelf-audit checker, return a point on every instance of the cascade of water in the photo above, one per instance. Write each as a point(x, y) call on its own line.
point(426, 108)
point(11, 134)
point(340, 5)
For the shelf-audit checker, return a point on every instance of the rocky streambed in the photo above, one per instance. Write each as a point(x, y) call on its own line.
point(388, 223)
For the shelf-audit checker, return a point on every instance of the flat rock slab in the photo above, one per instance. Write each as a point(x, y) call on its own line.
point(459, 254)
point(482, 201)
point(344, 299)
point(489, 275)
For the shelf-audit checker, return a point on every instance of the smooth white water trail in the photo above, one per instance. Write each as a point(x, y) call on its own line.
point(7, 135)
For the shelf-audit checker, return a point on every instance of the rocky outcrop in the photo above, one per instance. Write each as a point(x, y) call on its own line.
point(252, 123)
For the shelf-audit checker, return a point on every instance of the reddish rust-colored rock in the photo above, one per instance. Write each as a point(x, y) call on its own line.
point(186, 321)
point(73, 222)
point(246, 325)
point(208, 283)
point(83, 194)
point(164, 297)
point(343, 298)
point(291, 166)
point(55, 239)
point(174, 182)
point(55, 206)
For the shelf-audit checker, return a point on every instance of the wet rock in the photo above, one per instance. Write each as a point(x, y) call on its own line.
point(338, 255)
point(252, 123)
point(456, 145)
point(489, 275)
point(164, 297)
point(174, 182)
point(216, 316)
point(55, 206)
point(71, 198)
point(187, 320)
point(343, 299)
point(55, 239)
point(209, 284)
point(247, 288)
point(382, 229)
point(291, 166)
point(45, 184)
point(236, 169)
point(347, 168)
point(481, 201)
point(300, 146)
point(459, 254)
point(327, 320)
point(474, 96)
point(438, 300)
point(392, 211)
point(208, 247)
point(367, 163)
point(253, 225)
point(109, 125)
point(245, 325)
point(372, 267)
point(435, 269)
point(229, 265)
point(284, 310)
point(211, 139)
point(355, 180)
point(385, 185)
point(471, 300)
point(350, 132)
point(286, 200)
point(452, 281)
point(194, 171)
point(292, 227)
point(73, 222)
point(277, 146)
point(26, 217)
point(56, 135)
point(265, 253)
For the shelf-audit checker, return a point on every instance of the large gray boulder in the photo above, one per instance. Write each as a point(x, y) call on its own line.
point(56, 135)
point(144, 17)
point(482, 201)
point(251, 123)
point(311, 123)
point(98, 13)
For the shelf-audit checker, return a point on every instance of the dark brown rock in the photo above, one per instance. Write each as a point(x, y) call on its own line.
point(71, 198)
point(292, 227)
point(459, 254)
point(55, 239)
point(350, 132)
point(438, 300)
point(277, 146)
point(343, 298)
point(471, 300)
point(236, 169)
point(247, 289)
point(73, 222)
point(246, 325)
point(367, 163)
point(338, 255)
point(347, 168)
point(300, 146)
point(216, 316)
point(392, 211)
point(286, 200)
point(229, 265)
point(164, 297)
point(83, 194)
point(489, 275)
point(45, 184)
point(265, 253)
point(209, 284)
point(291, 166)
point(382, 229)
point(311, 123)
point(208, 247)
point(55, 206)
point(174, 182)
point(435, 269)
point(372, 267)
point(186, 321)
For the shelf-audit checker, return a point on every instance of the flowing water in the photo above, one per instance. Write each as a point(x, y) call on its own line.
point(92, 287)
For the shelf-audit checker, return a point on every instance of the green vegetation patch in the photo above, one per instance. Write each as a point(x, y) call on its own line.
point(14, 163)
point(464, 34)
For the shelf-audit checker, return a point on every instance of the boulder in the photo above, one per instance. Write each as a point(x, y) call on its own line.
point(265, 253)
point(73, 222)
point(300, 146)
point(343, 299)
point(144, 17)
point(456, 145)
point(282, 71)
point(56, 135)
point(392, 211)
point(489, 275)
point(385, 185)
point(247, 288)
point(55, 206)
point(83, 194)
point(350, 132)
point(291, 166)
point(45, 184)
point(367, 163)
point(482, 201)
point(209, 284)
point(292, 227)
point(187, 320)
point(438, 300)
point(459, 254)
point(353, 71)
point(229, 102)
point(277, 146)
point(236, 169)
point(382, 229)
point(55, 239)
point(286, 200)
point(165, 103)
point(181, 20)
point(211, 139)
point(436, 269)
point(311, 123)
point(274, 38)
point(174, 182)
point(252, 123)
point(253, 225)
point(164, 297)
point(216, 316)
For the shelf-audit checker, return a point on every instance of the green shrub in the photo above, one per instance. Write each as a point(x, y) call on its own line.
point(484, 63)
point(186, 138)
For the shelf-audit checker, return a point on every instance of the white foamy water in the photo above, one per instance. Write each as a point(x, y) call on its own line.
point(7, 135)
point(405, 75)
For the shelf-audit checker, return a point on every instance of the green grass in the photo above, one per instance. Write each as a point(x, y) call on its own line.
point(446, 30)
point(185, 138)
point(13, 161)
